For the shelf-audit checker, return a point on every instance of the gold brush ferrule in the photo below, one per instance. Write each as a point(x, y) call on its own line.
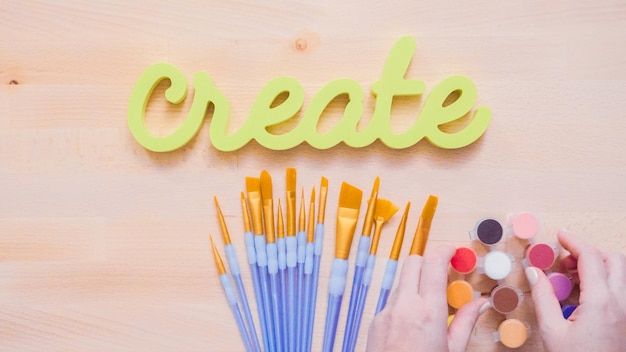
point(346, 225)
point(291, 213)
point(219, 264)
point(246, 214)
point(378, 228)
point(268, 217)
point(254, 198)
point(220, 216)
point(321, 212)
point(397, 241)
point(310, 235)
point(280, 223)
point(369, 215)
point(302, 216)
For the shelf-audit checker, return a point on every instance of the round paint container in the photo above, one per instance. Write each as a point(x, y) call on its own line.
point(504, 299)
point(541, 255)
point(488, 231)
point(524, 225)
point(512, 333)
point(561, 284)
point(459, 293)
point(497, 265)
point(568, 309)
point(464, 260)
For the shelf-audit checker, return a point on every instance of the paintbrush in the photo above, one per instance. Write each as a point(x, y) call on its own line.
point(361, 260)
point(301, 254)
point(230, 296)
point(317, 258)
point(254, 269)
point(235, 271)
point(423, 226)
point(272, 256)
point(392, 263)
point(384, 211)
point(253, 186)
point(308, 273)
point(347, 217)
point(292, 250)
point(282, 273)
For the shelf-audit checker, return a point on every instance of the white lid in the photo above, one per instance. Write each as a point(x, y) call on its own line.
point(497, 265)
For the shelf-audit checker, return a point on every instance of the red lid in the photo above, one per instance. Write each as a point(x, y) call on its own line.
point(541, 255)
point(464, 260)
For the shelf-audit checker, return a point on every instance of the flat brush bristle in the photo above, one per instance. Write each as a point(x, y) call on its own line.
point(266, 185)
point(291, 180)
point(384, 209)
point(430, 207)
point(253, 184)
point(423, 226)
point(350, 196)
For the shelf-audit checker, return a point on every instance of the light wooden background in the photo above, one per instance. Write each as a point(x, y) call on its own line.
point(103, 245)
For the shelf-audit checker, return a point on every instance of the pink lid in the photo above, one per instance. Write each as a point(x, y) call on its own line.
point(561, 284)
point(541, 255)
point(525, 225)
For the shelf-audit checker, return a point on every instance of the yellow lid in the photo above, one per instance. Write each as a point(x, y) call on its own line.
point(459, 293)
point(513, 333)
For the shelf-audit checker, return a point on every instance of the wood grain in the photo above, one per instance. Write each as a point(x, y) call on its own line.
point(103, 245)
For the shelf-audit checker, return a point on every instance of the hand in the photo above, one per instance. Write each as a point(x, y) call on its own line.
point(599, 322)
point(415, 317)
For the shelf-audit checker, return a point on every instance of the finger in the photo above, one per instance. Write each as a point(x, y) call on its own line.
point(434, 278)
point(569, 264)
point(462, 325)
point(591, 270)
point(410, 275)
point(547, 308)
point(616, 267)
point(377, 333)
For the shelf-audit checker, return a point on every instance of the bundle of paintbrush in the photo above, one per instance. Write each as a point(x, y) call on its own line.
point(284, 262)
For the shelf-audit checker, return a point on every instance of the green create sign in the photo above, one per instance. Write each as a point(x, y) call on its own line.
point(434, 113)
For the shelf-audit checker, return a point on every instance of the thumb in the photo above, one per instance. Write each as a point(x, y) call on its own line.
point(462, 325)
point(547, 308)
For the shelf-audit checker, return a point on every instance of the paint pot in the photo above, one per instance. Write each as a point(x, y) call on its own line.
point(497, 265)
point(512, 333)
point(504, 298)
point(568, 309)
point(524, 225)
point(464, 260)
point(489, 231)
point(561, 284)
point(541, 255)
point(459, 293)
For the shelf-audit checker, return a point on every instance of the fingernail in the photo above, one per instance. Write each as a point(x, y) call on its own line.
point(531, 275)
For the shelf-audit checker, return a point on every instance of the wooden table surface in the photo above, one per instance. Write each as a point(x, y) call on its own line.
point(103, 244)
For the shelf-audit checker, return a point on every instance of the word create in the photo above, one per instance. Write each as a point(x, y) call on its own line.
point(434, 113)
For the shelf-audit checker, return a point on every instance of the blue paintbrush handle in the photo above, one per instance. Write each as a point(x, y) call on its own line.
point(267, 307)
point(382, 300)
point(332, 317)
point(233, 263)
point(317, 259)
point(281, 244)
point(352, 308)
point(232, 302)
point(358, 317)
point(276, 311)
point(336, 288)
point(291, 307)
point(247, 313)
point(387, 283)
point(308, 293)
point(256, 284)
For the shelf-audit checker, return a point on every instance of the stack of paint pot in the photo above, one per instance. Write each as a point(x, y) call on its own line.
point(497, 265)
